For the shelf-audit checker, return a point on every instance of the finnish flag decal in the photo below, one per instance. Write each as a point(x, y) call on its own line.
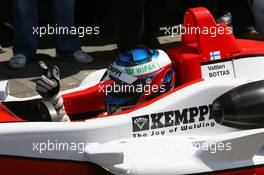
point(216, 55)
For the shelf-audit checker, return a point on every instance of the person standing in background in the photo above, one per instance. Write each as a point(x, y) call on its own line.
point(239, 13)
point(26, 43)
point(236, 13)
point(5, 22)
point(258, 12)
point(139, 24)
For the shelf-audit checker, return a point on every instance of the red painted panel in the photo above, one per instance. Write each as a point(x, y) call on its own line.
point(23, 166)
point(7, 116)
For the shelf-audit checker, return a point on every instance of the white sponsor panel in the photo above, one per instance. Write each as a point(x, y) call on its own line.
point(218, 70)
point(251, 68)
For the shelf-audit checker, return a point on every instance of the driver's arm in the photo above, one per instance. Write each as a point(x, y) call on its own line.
point(48, 86)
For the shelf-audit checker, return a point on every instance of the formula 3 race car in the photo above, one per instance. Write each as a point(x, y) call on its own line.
point(211, 123)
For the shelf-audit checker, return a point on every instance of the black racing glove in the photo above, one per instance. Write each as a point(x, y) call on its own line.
point(49, 84)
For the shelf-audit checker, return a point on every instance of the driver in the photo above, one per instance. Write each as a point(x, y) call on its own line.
point(134, 78)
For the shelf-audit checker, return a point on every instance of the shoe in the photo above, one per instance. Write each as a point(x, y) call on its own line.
point(17, 61)
point(251, 35)
point(1, 49)
point(226, 19)
point(79, 56)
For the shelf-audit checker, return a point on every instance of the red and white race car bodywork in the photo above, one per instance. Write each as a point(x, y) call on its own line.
point(162, 136)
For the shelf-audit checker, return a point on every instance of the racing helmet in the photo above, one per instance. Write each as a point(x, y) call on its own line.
point(136, 77)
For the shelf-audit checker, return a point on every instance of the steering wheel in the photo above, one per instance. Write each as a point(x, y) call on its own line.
point(45, 111)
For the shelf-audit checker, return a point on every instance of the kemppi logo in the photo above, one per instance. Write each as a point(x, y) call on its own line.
point(111, 69)
point(171, 118)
